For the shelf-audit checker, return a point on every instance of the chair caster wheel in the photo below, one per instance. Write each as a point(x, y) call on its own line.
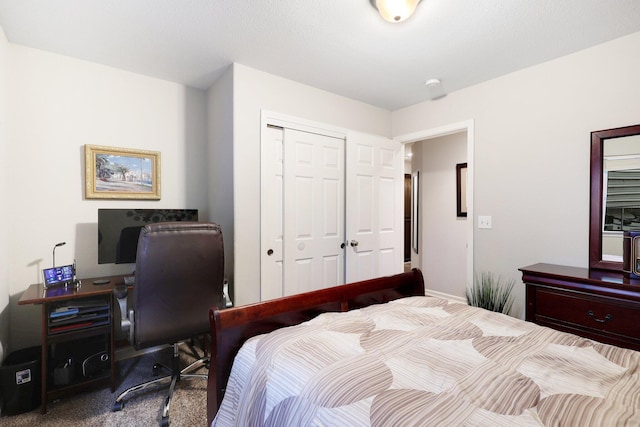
point(117, 406)
point(164, 422)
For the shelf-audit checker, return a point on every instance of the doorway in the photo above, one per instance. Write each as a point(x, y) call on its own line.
point(445, 240)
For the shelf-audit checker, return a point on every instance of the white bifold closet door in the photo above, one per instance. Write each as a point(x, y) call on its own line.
point(302, 212)
point(313, 211)
point(326, 218)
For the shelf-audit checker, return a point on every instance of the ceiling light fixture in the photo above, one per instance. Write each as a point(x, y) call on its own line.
point(395, 10)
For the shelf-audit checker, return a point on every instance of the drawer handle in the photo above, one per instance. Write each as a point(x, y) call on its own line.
point(591, 314)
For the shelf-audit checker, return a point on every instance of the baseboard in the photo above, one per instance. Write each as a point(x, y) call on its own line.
point(432, 293)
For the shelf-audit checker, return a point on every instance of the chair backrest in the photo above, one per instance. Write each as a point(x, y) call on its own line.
point(179, 277)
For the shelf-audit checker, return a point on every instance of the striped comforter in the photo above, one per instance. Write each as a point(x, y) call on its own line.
point(424, 361)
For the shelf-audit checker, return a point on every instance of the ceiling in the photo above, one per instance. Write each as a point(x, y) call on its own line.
point(343, 47)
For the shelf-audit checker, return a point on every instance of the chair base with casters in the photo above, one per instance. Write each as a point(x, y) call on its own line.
point(175, 376)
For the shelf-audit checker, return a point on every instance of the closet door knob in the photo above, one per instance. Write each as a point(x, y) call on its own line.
point(354, 243)
point(270, 252)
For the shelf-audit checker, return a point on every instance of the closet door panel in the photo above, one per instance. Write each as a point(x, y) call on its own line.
point(313, 211)
point(375, 203)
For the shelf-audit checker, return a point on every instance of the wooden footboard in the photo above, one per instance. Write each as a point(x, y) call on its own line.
point(231, 327)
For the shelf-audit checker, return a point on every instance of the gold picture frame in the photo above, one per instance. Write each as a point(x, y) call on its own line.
point(121, 173)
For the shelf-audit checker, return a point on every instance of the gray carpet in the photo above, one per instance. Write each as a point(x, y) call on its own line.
point(142, 408)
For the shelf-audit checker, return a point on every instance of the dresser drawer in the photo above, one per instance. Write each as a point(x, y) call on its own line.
point(604, 314)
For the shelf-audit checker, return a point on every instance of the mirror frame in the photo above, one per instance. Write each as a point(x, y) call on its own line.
point(595, 203)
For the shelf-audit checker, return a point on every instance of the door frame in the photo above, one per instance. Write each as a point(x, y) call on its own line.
point(286, 121)
point(468, 126)
point(283, 120)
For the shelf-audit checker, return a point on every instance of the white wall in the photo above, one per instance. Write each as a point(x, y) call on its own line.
point(4, 212)
point(220, 165)
point(442, 251)
point(56, 105)
point(255, 91)
point(532, 145)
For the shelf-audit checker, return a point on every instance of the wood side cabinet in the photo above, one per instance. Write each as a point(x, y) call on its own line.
point(75, 334)
point(600, 305)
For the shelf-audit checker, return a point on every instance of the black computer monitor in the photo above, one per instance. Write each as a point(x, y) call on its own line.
point(118, 230)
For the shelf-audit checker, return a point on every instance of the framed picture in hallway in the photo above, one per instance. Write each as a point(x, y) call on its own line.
point(121, 173)
point(415, 192)
point(461, 189)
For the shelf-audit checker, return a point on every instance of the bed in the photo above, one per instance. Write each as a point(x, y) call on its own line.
point(381, 353)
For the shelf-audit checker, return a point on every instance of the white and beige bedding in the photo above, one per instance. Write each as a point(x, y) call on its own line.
point(425, 361)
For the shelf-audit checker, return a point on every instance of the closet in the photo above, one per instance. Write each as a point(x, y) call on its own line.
point(331, 208)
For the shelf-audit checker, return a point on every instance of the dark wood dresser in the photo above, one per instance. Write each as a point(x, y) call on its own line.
point(601, 305)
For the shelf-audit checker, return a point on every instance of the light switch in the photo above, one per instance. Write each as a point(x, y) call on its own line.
point(484, 222)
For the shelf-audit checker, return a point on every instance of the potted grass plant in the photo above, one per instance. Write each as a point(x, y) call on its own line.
point(491, 293)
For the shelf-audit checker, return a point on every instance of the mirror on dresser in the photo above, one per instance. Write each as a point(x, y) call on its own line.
point(615, 194)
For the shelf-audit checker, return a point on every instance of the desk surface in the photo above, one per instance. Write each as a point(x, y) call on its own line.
point(37, 294)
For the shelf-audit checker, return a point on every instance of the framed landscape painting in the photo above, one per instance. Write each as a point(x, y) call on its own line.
point(121, 173)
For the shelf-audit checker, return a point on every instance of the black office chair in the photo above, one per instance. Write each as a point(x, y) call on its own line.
point(179, 276)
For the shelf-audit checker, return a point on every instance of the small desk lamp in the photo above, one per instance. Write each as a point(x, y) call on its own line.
point(54, 251)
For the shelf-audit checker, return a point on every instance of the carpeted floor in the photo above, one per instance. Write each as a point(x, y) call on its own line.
point(142, 408)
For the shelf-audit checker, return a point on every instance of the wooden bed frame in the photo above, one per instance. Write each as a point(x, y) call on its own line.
point(231, 327)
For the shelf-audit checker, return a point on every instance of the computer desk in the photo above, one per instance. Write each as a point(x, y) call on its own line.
point(58, 297)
